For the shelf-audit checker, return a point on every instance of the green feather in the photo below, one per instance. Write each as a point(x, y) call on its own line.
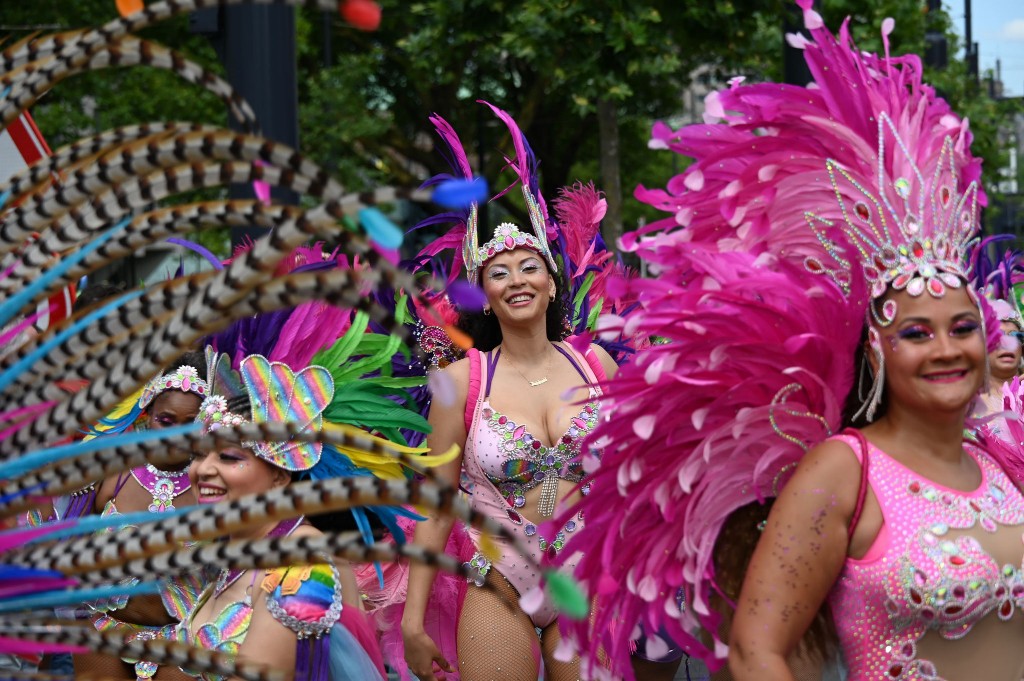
point(336, 355)
point(595, 312)
point(577, 301)
point(566, 595)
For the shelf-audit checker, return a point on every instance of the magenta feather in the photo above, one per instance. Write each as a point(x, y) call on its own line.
point(13, 646)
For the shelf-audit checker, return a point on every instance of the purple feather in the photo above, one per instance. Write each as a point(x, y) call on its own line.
point(466, 295)
point(196, 248)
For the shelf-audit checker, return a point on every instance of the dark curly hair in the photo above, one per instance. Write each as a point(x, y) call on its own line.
point(486, 331)
point(192, 358)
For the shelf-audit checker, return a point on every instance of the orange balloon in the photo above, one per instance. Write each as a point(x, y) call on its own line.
point(129, 7)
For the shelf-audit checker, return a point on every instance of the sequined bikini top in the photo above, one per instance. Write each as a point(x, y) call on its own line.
point(515, 461)
point(931, 568)
point(304, 598)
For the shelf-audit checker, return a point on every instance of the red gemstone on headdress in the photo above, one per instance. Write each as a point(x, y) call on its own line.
point(502, 420)
point(509, 242)
point(862, 210)
point(813, 266)
point(879, 264)
point(536, 444)
point(917, 249)
point(936, 287)
point(901, 281)
point(945, 195)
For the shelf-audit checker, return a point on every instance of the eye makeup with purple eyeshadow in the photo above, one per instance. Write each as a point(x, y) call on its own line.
point(922, 333)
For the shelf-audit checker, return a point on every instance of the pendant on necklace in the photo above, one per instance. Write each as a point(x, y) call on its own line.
point(541, 381)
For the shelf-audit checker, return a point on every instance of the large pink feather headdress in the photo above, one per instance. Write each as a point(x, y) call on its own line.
point(788, 183)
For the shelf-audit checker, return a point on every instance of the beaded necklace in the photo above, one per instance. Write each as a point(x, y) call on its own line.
point(163, 486)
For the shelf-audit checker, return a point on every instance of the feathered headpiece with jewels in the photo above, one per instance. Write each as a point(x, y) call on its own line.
point(276, 395)
point(996, 279)
point(912, 227)
point(866, 177)
point(507, 236)
point(184, 378)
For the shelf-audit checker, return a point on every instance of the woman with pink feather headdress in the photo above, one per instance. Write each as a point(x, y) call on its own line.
point(516, 406)
point(815, 257)
point(995, 281)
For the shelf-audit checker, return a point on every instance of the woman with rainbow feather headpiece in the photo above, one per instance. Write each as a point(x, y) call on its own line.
point(318, 368)
point(815, 256)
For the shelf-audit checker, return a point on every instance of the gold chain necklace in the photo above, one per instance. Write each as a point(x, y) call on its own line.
point(539, 381)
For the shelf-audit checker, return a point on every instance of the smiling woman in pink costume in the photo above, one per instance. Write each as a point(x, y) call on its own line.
point(520, 415)
point(815, 256)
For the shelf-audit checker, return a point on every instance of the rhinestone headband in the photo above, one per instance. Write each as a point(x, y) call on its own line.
point(185, 378)
point(507, 237)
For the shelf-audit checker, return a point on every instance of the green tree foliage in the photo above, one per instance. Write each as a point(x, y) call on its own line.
point(548, 62)
point(121, 96)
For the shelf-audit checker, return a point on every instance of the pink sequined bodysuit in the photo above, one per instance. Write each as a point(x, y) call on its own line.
point(502, 461)
point(937, 594)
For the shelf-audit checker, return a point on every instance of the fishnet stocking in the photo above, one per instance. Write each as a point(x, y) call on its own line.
point(498, 642)
point(553, 669)
point(496, 639)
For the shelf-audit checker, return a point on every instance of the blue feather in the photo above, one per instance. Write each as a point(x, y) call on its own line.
point(16, 369)
point(21, 572)
point(381, 230)
point(43, 457)
point(13, 305)
point(56, 599)
point(93, 523)
point(460, 193)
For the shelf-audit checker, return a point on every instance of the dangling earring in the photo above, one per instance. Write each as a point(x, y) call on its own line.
point(874, 398)
point(487, 311)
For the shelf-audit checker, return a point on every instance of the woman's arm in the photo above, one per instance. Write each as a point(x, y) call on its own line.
point(796, 562)
point(448, 428)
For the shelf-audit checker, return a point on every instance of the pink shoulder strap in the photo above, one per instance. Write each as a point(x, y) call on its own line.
point(862, 492)
point(595, 365)
point(474, 386)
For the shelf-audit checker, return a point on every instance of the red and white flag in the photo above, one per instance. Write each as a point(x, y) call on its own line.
point(21, 145)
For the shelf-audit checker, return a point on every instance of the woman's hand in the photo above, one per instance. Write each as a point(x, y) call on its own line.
point(423, 656)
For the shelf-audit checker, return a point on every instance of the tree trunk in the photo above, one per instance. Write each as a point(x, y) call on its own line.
point(611, 180)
